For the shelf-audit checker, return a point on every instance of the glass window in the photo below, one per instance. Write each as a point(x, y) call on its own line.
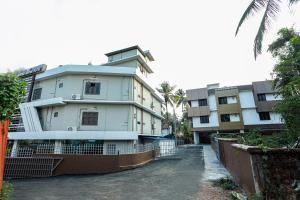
point(202, 102)
point(90, 118)
point(37, 94)
point(261, 97)
point(264, 116)
point(56, 114)
point(225, 118)
point(60, 85)
point(222, 100)
point(92, 88)
point(204, 119)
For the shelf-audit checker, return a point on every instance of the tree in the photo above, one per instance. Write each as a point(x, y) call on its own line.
point(286, 49)
point(12, 89)
point(271, 9)
point(166, 91)
point(180, 97)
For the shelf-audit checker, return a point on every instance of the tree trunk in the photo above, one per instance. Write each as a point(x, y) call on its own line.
point(174, 113)
point(3, 142)
point(167, 112)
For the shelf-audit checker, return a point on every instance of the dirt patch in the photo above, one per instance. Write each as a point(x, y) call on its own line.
point(208, 192)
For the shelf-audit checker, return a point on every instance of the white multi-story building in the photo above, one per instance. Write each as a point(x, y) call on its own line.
point(107, 104)
point(215, 109)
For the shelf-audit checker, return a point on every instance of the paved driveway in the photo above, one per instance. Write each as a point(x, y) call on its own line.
point(177, 177)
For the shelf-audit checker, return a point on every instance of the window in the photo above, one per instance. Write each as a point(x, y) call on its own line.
point(90, 118)
point(55, 114)
point(222, 100)
point(111, 149)
point(261, 97)
point(60, 85)
point(37, 94)
point(264, 116)
point(202, 102)
point(92, 88)
point(225, 118)
point(204, 119)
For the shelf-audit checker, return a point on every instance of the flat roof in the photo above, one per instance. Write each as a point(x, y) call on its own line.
point(144, 53)
point(126, 49)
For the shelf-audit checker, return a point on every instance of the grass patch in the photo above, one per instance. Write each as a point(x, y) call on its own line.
point(6, 191)
point(225, 183)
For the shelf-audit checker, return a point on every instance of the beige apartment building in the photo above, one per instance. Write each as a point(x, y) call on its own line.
point(235, 109)
point(111, 104)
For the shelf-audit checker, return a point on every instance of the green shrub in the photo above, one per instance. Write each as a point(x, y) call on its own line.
point(258, 196)
point(6, 191)
point(12, 89)
point(225, 183)
point(254, 138)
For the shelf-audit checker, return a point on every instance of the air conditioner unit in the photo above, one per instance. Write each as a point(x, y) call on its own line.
point(72, 128)
point(76, 96)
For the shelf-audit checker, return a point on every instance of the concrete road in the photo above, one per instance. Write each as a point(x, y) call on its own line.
point(177, 177)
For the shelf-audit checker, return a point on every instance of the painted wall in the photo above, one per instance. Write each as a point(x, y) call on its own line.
point(123, 55)
point(194, 103)
point(212, 102)
point(273, 97)
point(213, 121)
point(235, 117)
point(147, 124)
point(110, 118)
point(231, 100)
point(247, 99)
point(116, 88)
point(251, 117)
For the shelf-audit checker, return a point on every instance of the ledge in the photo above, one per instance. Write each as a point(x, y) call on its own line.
point(256, 149)
point(228, 139)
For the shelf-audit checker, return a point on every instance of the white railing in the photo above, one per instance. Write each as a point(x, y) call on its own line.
point(83, 149)
point(166, 147)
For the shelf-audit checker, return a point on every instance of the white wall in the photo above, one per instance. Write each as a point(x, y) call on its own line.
point(231, 100)
point(234, 117)
point(110, 117)
point(251, 117)
point(273, 97)
point(115, 88)
point(247, 99)
point(212, 102)
point(213, 121)
point(194, 103)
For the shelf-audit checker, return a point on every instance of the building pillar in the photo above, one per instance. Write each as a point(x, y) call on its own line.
point(57, 147)
point(14, 150)
point(196, 138)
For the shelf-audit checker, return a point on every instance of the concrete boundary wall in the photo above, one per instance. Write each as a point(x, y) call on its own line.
point(78, 164)
point(272, 172)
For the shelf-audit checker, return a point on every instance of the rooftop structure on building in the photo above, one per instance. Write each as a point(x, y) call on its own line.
point(112, 104)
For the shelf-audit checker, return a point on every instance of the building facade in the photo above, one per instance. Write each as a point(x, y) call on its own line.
point(216, 109)
point(111, 104)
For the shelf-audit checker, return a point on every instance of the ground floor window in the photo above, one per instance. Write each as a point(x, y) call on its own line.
point(111, 149)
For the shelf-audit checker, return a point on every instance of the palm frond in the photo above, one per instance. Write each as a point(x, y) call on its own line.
point(272, 9)
point(293, 2)
point(254, 7)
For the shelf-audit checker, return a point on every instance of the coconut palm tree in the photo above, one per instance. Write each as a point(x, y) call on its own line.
point(271, 9)
point(166, 90)
point(180, 96)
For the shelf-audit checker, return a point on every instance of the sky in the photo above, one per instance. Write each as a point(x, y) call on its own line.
point(192, 41)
